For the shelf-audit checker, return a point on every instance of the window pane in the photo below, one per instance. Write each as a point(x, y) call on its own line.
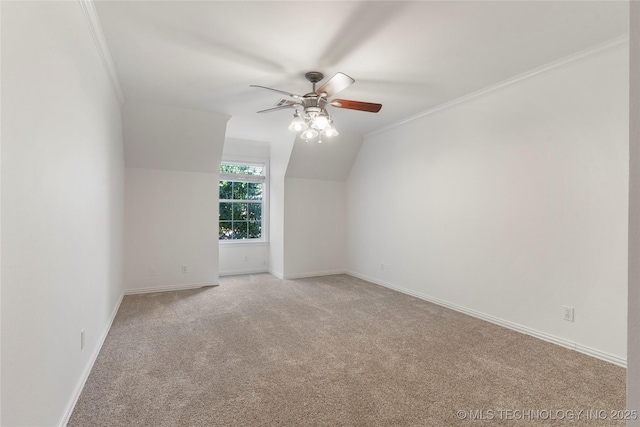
point(242, 169)
point(254, 191)
point(225, 211)
point(255, 211)
point(224, 230)
point(225, 190)
point(241, 195)
point(255, 229)
point(239, 211)
point(240, 230)
point(240, 190)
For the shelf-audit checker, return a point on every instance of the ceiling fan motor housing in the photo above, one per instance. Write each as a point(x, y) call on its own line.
point(313, 103)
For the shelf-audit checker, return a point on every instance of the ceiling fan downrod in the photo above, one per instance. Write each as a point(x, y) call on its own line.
point(314, 77)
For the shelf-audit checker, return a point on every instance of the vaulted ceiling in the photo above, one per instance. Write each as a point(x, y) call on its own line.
point(408, 56)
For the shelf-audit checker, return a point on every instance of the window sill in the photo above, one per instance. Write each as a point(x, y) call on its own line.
point(243, 242)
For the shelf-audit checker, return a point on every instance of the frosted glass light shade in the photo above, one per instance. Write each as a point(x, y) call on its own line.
point(330, 131)
point(298, 123)
point(321, 122)
point(309, 134)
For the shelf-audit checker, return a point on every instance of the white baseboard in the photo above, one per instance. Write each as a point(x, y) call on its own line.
point(616, 360)
point(313, 274)
point(87, 370)
point(166, 288)
point(246, 271)
point(277, 274)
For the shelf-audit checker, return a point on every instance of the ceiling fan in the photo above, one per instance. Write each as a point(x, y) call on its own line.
point(315, 120)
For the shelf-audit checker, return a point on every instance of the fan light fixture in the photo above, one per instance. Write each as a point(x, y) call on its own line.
point(313, 124)
point(315, 121)
point(298, 123)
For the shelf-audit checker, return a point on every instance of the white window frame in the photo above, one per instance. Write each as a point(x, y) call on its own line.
point(256, 161)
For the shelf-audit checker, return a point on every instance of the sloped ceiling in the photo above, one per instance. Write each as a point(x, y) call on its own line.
point(329, 161)
point(164, 137)
point(409, 56)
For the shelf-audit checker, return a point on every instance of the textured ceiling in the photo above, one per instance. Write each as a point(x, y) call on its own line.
point(408, 56)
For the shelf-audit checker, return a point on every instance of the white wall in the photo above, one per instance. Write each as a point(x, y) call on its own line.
point(633, 322)
point(171, 205)
point(62, 192)
point(511, 205)
point(170, 221)
point(315, 227)
point(245, 149)
point(0, 225)
point(244, 257)
point(315, 240)
point(279, 154)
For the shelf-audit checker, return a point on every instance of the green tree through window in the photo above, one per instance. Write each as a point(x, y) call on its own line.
point(241, 201)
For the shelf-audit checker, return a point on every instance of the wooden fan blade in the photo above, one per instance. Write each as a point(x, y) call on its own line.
point(334, 85)
point(356, 105)
point(282, 107)
point(293, 95)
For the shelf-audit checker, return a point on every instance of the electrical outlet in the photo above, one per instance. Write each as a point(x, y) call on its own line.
point(184, 268)
point(246, 258)
point(152, 271)
point(568, 313)
point(82, 339)
point(381, 267)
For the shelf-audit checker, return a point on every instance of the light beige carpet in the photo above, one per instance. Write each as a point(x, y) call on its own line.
point(331, 351)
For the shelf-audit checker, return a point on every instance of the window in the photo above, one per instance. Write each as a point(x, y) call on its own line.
point(242, 197)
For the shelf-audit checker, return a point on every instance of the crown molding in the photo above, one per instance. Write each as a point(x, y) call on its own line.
point(598, 49)
point(93, 21)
